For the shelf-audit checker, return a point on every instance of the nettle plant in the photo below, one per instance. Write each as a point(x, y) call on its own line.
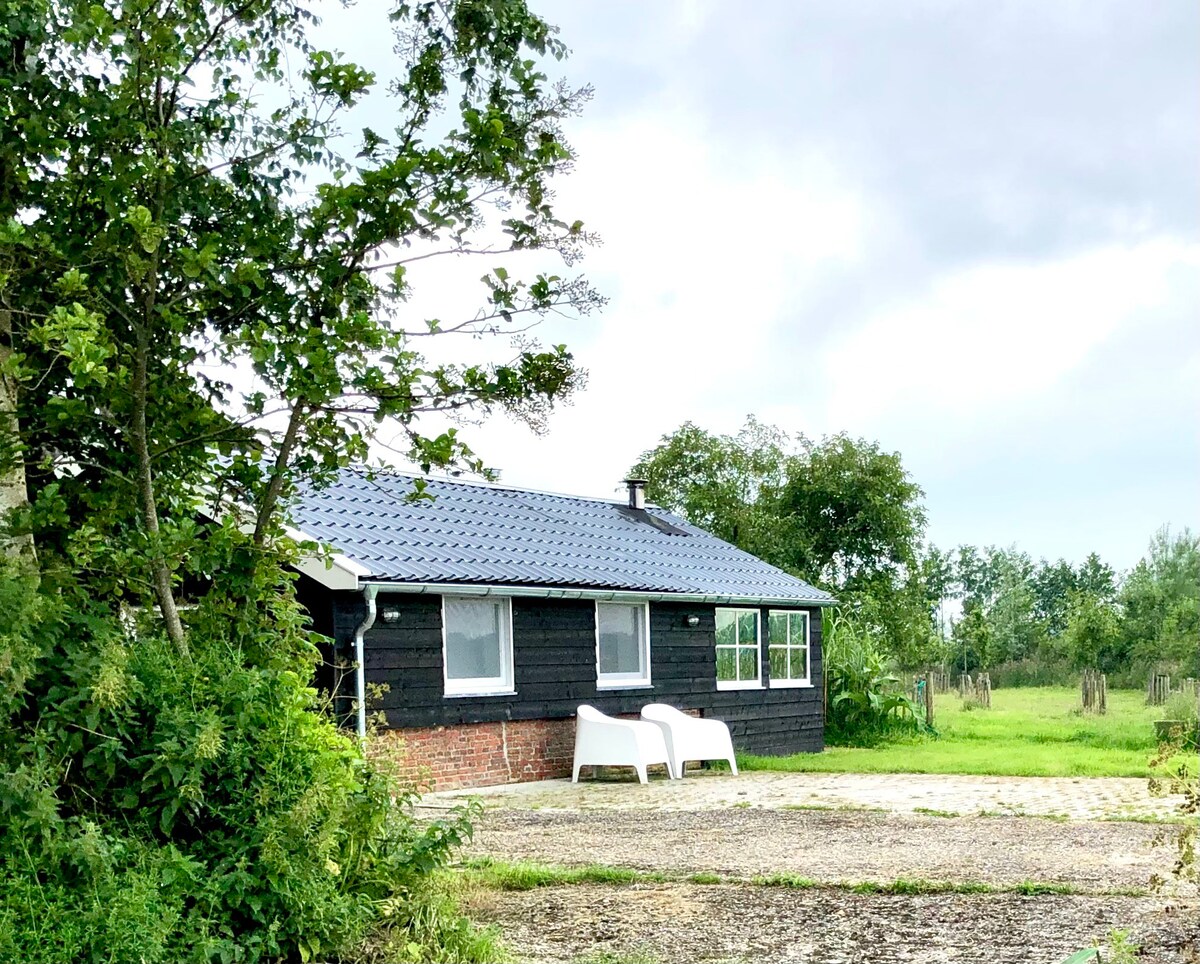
point(204, 303)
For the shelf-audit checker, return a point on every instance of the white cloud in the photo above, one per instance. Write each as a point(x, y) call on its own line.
point(995, 336)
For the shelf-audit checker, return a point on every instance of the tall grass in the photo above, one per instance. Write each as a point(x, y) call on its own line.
point(865, 704)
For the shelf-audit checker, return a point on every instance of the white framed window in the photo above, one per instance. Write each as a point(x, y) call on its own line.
point(788, 648)
point(622, 645)
point(738, 652)
point(477, 651)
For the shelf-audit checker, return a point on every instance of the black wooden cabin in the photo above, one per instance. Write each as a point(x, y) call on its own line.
point(491, 605)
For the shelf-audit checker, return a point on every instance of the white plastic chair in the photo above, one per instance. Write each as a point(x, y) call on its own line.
point(601, 740)
point(689, 738)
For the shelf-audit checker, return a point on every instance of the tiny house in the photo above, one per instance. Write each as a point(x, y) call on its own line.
point(475, 618)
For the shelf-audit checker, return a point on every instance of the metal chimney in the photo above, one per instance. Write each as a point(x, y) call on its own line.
point(637, 493)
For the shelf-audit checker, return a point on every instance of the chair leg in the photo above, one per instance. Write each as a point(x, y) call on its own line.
point(575, 773)
point(733, 765)
point(641, 772)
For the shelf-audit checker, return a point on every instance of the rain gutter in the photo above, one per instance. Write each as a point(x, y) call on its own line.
point(609, 595)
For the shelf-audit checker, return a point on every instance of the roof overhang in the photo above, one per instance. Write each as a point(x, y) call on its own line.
point(604, 595)
point(331, 570)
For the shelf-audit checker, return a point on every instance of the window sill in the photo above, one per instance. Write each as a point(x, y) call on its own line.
point(800, 684)
point(739, 686)
point(624, 686)
point(478, 694)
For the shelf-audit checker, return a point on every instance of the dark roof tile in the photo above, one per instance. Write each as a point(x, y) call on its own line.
point(473, 533)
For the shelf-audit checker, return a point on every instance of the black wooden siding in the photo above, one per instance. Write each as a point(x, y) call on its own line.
point(554, 659)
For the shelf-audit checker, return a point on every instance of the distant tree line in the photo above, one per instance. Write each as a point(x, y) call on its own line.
point(1014, 609)
point(846, 516)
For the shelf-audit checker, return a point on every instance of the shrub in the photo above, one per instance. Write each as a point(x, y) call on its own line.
point(164, 808)
point(1182, 706)
point(864, 704)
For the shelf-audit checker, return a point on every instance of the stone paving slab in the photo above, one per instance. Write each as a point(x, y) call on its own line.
point(1076, 798)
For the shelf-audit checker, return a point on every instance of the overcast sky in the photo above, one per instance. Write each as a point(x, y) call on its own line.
point(966, 230)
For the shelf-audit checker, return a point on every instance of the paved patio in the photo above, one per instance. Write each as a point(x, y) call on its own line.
point(1076, 798)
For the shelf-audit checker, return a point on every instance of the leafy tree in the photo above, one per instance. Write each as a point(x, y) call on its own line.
point(1093, 636)
point(1052, 585)
point(840, 512)
point(1160, 602)
point(724, 484)
point(856, 515)
point(170, 230)
point(1016, 633)
point(203, 303)
point(972, 635)
point(1096, 578)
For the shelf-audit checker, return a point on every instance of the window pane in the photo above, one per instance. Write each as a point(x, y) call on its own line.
point(620, 639)
point(747, 663)
point(726, 665)
point(777, 628)
point(747, 628)
point(779, 662)
point(472, 639)
point(800, 662)
point(726, 627)
point(799, 629)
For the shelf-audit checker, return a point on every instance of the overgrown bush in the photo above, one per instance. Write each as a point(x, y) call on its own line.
point(160, 807)
point(1033, 672)
point(864, 702)
point(1182, 706)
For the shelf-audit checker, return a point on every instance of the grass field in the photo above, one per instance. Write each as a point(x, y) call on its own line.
point(1036, 732)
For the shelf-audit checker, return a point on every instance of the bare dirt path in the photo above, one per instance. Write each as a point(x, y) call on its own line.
point(746, 925)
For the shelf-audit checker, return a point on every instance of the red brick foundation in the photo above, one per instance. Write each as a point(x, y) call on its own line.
point(481, 754)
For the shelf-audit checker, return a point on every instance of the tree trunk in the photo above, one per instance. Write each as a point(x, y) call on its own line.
point(160, 572)
point(13, 493)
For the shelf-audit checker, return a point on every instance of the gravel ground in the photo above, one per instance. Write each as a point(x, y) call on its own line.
point(835, 846)
point(763, 824)
point(675, 922)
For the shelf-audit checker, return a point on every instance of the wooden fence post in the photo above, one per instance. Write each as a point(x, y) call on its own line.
point(1158, 689)
point(928, 703)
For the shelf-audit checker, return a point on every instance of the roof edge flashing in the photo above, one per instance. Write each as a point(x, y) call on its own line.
point(613, 595)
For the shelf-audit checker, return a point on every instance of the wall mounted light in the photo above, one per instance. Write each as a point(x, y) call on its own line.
point(390, 614)
point(691, 621)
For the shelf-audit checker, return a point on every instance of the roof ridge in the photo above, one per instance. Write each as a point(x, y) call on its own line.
point(486, 484)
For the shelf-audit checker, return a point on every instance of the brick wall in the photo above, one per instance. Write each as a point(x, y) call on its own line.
point(481, 754)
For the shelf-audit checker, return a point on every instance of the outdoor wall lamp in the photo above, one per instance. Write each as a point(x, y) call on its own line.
point(691, 621)
point(390, 614)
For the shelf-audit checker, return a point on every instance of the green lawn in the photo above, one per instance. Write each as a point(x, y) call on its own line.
point(1027, 732)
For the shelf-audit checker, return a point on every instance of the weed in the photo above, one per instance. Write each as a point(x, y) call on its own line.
point(1121, 949)
point(524, 875)
point(705, 878)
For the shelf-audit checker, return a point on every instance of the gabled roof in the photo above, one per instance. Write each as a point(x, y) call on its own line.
point(489, 535)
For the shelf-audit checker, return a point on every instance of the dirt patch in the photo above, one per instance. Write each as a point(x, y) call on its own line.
point(834, 846)
point(675, 922)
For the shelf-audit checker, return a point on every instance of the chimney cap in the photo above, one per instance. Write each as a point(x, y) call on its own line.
point(637, 493)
